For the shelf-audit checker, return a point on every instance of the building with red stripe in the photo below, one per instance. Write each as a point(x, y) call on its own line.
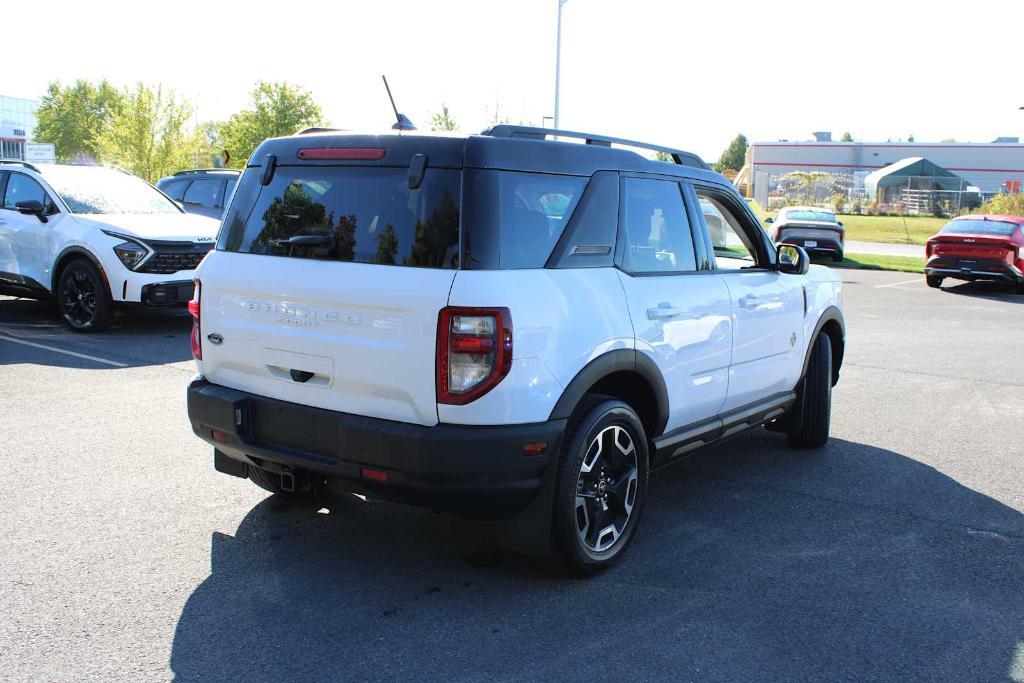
point(992, 167)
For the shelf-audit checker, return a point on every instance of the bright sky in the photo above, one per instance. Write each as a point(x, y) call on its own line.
point(686, 74)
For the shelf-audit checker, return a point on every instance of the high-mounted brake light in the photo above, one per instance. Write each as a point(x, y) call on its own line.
point(334, 153)
point(474, 352)
point(193, 308)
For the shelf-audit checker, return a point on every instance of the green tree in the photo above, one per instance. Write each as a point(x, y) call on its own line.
point(275, 109)
point(387, 245)
point(148, 134)
point(846, 138)
point(443, 120)
point(74, 117)
point(734, 155)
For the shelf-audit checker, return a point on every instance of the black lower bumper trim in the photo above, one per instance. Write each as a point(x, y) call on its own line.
point(477, 471)
point(167, 293)
point(971, 270)
point(823, 245)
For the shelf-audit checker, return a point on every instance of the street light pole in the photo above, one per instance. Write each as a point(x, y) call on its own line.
point(558, 58)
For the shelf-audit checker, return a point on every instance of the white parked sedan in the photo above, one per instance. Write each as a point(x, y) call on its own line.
point(88, 237)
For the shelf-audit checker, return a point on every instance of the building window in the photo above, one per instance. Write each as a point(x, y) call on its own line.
point(12, 149)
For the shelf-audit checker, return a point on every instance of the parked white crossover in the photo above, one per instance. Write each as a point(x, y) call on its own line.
point(88, 237)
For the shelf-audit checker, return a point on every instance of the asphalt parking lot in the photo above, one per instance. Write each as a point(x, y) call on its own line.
point(896, 552)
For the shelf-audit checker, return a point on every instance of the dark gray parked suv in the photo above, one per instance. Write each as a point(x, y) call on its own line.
point(204, 191)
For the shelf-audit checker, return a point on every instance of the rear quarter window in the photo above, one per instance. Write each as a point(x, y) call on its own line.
point(514, 219)
point(363, 214)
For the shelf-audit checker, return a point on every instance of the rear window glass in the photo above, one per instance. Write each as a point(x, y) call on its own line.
point(810, 216)
point(175, 189)
point(204, 192)
point(980, 227)
point(516, 218)
point(354, 214)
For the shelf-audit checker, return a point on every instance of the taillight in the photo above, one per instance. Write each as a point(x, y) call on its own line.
point(193, 308)
point(928, 247)
point(474, 352)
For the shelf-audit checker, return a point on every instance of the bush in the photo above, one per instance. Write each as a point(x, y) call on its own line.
point(1012, 204)
point(838, 201)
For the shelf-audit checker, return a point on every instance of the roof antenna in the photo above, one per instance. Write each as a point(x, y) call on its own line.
point(402, 121)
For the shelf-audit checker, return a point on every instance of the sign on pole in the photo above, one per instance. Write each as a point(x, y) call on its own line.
point(40, 152)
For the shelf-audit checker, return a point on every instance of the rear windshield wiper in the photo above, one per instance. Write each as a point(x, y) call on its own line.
point(304, 241)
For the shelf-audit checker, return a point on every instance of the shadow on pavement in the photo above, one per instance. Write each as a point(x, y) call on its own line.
point(754, 562)
point(140, 336)
point(993, 291)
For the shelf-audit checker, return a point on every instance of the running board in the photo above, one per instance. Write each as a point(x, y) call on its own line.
point(668, 447)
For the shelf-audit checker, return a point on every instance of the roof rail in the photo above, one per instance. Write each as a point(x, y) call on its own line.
point(318, 129)
point(679, 156)
point(20, 163)
point(204, 170)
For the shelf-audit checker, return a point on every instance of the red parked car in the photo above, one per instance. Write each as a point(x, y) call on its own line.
point(984, 247)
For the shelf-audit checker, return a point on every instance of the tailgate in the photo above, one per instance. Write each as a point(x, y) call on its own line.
point(350, 337)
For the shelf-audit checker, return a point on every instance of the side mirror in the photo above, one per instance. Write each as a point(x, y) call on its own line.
point(840, 223)
point(769, 220)
point(32, 207)
point(792, 259)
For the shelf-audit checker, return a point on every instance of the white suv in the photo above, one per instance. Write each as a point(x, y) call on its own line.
point(89, 237)
point(502, 326)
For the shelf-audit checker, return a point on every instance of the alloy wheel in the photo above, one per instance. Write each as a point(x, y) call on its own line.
point(606, 488)
point(78, 297)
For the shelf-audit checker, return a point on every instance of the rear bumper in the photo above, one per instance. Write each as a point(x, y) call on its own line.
point(964, 269)
point(475, 471)
point(823, 245)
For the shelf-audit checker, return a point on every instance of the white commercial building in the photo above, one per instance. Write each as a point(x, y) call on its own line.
point(992, 167)
point(17, 125)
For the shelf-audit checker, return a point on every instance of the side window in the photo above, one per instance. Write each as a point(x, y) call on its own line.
point(21, 188)
point(229, 187)
point(657, 232)
point(734, 247)
point(204, 192)
point(175, 189)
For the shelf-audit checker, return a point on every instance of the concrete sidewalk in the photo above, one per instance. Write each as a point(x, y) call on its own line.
point(885, 249)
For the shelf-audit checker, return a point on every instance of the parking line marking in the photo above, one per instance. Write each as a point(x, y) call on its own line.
point(45, 347)
point(897, 284)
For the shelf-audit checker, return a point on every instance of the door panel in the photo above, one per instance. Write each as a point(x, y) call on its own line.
point(767, 334)
point(684, 324)
point(681, 317)
point(767, 306)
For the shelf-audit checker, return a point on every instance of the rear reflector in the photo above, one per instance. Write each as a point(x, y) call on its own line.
point(360, 153)
point(194, 309)
point(219, 437)
point(376, 475)
point(535, 448)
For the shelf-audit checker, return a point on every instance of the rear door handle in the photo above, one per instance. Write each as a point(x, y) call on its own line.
point(662, 310)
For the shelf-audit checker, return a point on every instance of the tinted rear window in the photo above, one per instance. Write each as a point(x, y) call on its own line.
point(810, 216)
point(363, 214)
point(514, 219)
point(980, 227)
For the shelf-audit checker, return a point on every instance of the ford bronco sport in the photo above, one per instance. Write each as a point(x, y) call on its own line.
point(502, 326)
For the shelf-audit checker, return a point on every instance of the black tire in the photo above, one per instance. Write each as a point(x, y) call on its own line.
point(613, 484)
point(815, 397)
point(933, 280)
point(271, 481)
point(83, 298)
point(837, 257)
